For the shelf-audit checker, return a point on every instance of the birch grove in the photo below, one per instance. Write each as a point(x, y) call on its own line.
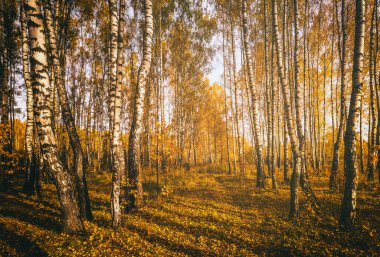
point(167, 128)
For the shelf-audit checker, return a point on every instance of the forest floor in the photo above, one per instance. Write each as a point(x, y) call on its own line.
point(196, 214)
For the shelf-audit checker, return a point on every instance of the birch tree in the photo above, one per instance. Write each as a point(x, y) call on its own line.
point(343, 107)
point(297, 87)
point(254, 102)
point(372, 87)
point(295, 142)
point(79, 160)
point(135, 193)
point(116, 55)
point(348, 214)
point(30, 179)
point(72, 222)
point(294, 201)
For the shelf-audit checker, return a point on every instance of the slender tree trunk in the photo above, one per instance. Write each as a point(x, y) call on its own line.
point(331, 78)
point(297, 98)
point(247, 49)
point(29, 184)
point(230, 82)
point(361, 134)
point(248, 96)
point(134, 167)
point(318, 134)
point(305, 159)
point(295, 142)
point(159, 91)
point(294, 204)
point(267, 85)
point(285, 49)
point(371, 165)
point(286, 174)
point(116, 54)
point(225, 101)
point(324, 112)
point(343, 111)
point(72, 222)
point(348, 214)
point(300, 130)
point(271, 119)
point(234, 82)
point(79, 160)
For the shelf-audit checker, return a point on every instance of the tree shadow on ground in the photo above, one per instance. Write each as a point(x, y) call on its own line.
point(217, 234)
point(155, 239)
point(41, 217)
point(23, 245)
point(250, 197)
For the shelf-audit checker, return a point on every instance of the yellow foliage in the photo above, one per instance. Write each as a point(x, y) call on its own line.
point(9, 157)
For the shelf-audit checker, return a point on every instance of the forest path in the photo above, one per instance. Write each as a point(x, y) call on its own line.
point(197, 214)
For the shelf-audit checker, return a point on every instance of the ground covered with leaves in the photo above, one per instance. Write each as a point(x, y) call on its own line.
point(196, 214)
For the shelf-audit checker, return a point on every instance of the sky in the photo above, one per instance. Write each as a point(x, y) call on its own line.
point(216, 72)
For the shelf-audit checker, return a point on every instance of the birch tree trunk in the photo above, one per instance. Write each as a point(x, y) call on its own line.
point(361, 157)
point(120, 76)
point(79, 160)
point(29, 184)
point(331, 77)
point(295, 143)
point(377, 89)
point(234, 82)
point(135, 193)
point(230, 81)
point(294, 203)
point(324, 112)
point(267, 86)
point(225, 99)
point(372, 78)
point(72, 222)
point(297, 99)
point(116, 62)
point(271, 117)
point(248, 55)
point(348, 214)
point(343, 108)
point(286, 175)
